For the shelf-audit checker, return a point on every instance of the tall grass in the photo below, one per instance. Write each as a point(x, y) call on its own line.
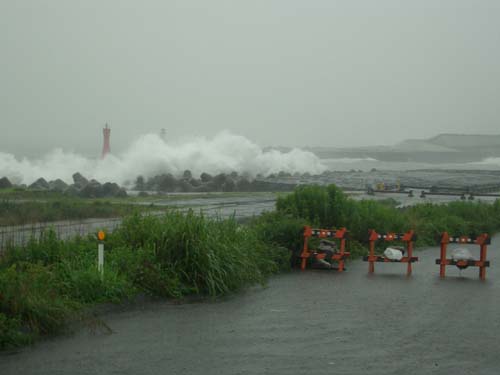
point(199, 255)
point(330, 207)
point(49, 281)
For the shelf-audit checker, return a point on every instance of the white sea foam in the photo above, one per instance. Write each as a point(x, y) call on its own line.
point(488, 161)
point(150, 155)
point(350, 160)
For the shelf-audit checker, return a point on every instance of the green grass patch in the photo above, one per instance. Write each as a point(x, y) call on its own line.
point(19, 207)
point(48, 282)
point(18, 212)
point(329, 207)
point(203, 256)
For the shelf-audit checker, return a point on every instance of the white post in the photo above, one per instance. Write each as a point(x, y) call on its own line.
point(100, 256)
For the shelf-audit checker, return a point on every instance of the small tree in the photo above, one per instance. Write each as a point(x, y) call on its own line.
point(205, 177)
point(139, 183)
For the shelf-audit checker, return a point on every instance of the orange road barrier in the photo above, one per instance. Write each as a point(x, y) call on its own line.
point(482, 240)
point(337, 234)
point(408, 238)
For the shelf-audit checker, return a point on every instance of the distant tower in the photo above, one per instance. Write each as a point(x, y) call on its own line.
point(163, 134)
point(106, 149)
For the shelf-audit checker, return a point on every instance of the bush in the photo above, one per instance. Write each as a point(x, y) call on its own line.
point(328, 207)
point(278, 229)
point(183, 254)
point(30, 293)
point(319, 205)
point(10, 333)
point(47, 282)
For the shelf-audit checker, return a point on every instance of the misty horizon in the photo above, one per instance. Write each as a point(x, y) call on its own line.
point(151, 155)
point(94, 150)
point(280, 73)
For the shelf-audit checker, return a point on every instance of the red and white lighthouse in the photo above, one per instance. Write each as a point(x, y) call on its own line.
point(106, 149)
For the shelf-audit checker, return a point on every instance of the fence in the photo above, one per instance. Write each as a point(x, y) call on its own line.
point(240, 209)
point(20, 235)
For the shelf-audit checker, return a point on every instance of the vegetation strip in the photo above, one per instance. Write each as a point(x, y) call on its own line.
point(49, 282)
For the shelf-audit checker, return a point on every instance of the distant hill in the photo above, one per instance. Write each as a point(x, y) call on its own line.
point(466, 140)
point(452, 143)
point(419, 145)
point(443, 148)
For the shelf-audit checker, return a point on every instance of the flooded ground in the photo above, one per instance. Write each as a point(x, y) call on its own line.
point(240, 205)
point(312, 322)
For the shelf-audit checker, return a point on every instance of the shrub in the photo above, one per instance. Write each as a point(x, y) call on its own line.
point(30, 293)
point(279, 229)
point(328, 207)
point(188, 253)
point(10, 333)
point(319, 205)
point(47, 282)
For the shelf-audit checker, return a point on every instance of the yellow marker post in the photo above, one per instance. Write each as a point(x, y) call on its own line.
point(101, 236)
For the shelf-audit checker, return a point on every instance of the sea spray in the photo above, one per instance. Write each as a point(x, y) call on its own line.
point(492, 162)
point(149, 155)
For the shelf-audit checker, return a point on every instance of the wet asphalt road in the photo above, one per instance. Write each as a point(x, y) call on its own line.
point(313, 322)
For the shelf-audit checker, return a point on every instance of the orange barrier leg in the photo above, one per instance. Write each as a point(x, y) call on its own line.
point(442, 266)
point(410, 254)
point(482, 269)
point(341, 262)
point(304, 251)
point(303, 264)
point(371, 264)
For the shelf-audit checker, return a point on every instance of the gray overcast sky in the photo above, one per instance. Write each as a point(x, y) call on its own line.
point(288, 72)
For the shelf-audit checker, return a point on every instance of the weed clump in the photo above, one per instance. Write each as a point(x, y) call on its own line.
point(48, 282)
point(184, 254)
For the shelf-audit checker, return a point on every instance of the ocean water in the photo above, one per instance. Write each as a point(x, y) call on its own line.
point(366, 164)
point(149, 155)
